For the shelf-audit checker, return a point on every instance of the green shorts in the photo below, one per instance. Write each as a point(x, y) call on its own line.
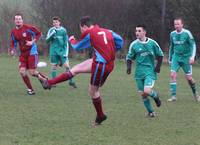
point(147, 82)
point(182, 62)
point(58, 59)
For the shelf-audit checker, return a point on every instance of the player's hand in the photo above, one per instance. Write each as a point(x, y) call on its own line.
point(71, 38)
point(128, 63)
point(54, 31)
point(128, 71)
point(191, 61)
point(29, 43)
point(157, 69)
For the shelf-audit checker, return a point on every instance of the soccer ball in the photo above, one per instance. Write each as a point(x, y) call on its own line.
point(41, 64)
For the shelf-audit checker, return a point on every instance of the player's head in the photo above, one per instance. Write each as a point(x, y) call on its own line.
point(140, 31)
point(178, 24)
point(56, 21)
point(18, 18)
point(85, 23)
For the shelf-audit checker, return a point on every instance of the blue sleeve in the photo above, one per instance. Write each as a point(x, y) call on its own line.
point(118, 41)
point(82, 44)
point(32, 33)
point(14, 41)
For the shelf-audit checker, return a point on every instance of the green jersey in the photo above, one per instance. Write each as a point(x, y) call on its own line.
point(58, 39)
point(144, 54)
point(182, 44)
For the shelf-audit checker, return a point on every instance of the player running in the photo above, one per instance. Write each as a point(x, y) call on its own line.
point(59, 48)
point(181, 54)
point(105, 44)
point(144, 51)
point(26, 36)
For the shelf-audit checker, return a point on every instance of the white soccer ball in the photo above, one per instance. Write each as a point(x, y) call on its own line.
point(41, 64)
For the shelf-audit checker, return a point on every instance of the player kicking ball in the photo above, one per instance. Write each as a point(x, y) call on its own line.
point(105, 44)
point(144, 51)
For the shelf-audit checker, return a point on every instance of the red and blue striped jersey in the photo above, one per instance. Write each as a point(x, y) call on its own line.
point(104, 42)
point(23, 34)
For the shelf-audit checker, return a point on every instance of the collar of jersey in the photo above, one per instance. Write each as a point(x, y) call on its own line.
point(180, 32)
point(58, 28)
point(143, 42)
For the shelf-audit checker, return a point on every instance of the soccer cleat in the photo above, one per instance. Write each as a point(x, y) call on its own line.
point(99, 120)
point(172, 99)
point(72, 84)
point(44, 81)
point(151, 114)
point(157, 101)
point(30, 92)
point(45, 84)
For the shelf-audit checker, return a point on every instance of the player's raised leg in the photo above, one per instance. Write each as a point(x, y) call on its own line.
point(84, 67)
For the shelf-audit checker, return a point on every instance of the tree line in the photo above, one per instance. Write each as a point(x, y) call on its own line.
point(119, 15)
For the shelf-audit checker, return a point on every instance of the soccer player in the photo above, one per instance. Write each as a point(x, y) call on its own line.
point(181, 54)
point(59, 48)
point(105, 44)
point(144, 51)
point(25, 35)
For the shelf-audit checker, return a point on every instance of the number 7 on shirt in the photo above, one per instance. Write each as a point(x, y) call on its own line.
point(104, 36)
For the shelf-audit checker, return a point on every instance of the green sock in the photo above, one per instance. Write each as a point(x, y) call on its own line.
point(173, 89)
point(147, 105)
point(193, 87)
point(71, 81)
point(153, 94)
point(53, 73)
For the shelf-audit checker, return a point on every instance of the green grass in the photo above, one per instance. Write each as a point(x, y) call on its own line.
point(63, 116)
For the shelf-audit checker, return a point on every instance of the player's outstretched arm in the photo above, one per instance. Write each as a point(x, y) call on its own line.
point(81, 44)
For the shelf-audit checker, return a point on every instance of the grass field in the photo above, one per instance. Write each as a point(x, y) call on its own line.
point(63, 116)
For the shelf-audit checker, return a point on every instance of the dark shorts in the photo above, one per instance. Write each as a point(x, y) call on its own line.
point(28, 61)
point(100, 72)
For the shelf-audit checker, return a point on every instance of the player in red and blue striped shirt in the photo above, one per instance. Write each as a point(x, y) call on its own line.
point(105, 44)
point(26, 36)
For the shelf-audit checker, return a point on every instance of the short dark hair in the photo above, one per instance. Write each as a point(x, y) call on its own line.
point(179, 18)
point(56, 18)
point(86, 20)
point(18, 14)
point(142, 26)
